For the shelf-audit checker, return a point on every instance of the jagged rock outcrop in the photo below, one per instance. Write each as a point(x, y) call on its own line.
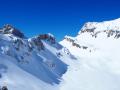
point(35, 42)
point(32, 42)
point(35, 56)
point(74, 43)
point(110, 28)
point(9, 29)
point(48, 37)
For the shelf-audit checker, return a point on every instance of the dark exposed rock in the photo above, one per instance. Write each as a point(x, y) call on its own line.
point(109, 33)
point(4, 88)
point(18, 43)
point(17, 33)
point(117, 35)
point(84, 47)
point(88, 30)
point(69, 39)
point(39, 43)
point(35, 42)
point(9, 29)
point(43, 36)
point(75, 44)
point(0, 75)
point(47, 37)
point(59, 54)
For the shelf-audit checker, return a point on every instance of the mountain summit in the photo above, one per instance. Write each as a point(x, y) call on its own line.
point(101, 26)
point(97, 48)
point(30, 63)
point(9, 29)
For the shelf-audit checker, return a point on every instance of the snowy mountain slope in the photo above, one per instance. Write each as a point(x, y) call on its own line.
point(100, 26)
point(89, 61)
point(17, 79)
point(97, 48)
point(31, 63)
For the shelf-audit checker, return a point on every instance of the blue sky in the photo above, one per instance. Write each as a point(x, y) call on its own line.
point(59, 17)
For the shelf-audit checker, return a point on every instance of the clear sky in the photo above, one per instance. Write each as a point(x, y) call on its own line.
point(59, 17)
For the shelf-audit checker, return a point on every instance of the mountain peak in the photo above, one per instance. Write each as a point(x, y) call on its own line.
point(96, 31)
point(39, 56)
point(48, 37)
point(9, 29)
point(101, 26)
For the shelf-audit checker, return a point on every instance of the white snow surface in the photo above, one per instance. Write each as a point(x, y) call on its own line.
point(98, 66)
point(23, 68)
point(84, 62)
point(101, 26)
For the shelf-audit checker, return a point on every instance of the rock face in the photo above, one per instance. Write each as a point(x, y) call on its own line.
point(37, 41)
point(98, 30)
point(33, 42)
point(74, 43)
point(108, 33)
point(110, 28)
point(30, 58)
point(48, 37)
point(9, 29)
